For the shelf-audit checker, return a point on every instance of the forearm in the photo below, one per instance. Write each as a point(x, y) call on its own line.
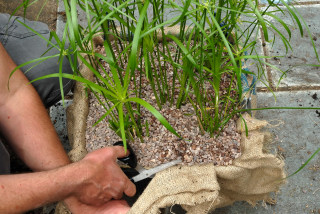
point(25, 122)
point(23, 192)
point(27, 126)
point(29, 130)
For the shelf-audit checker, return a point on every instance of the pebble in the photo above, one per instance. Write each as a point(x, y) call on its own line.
point(161, 146)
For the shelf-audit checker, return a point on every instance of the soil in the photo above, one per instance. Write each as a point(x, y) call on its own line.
point(161, 146)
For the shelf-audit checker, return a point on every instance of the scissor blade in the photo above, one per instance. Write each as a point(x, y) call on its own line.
point(139, 168)
point(149, 172)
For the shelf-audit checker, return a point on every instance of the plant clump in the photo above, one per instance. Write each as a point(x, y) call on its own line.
point(158, 145)
point(161, 146)
point(185, 68)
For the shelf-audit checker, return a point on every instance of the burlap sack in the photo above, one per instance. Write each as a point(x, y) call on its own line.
point(77, 114)
point(203, 188)
point(198, 188)
point(78, 111)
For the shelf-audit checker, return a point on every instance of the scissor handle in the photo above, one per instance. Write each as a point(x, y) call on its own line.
point(130, 173)
point(131, 159)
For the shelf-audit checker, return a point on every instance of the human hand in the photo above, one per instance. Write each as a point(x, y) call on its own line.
point(103, 179)
point(111, 207)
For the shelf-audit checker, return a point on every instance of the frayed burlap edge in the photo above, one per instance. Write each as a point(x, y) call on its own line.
point(77, 114)
point(199, 188)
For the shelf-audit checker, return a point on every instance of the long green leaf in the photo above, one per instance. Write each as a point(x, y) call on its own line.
point(121, 121)
point(303, 165)
point(155, 112)
point(135, 43)
point(38, 34)
point(294, 15)
point(92, 85)
point(261, 20)
point(183, 14)
point(184, 50)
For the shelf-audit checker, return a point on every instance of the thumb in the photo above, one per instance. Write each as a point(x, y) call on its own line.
point(119, 152)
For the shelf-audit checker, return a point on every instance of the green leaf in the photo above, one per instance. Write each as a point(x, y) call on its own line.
point(106, 114)
point(92, 85)
point(121, 121)
point(261, 20)
point(184, 50)
point(303, 165)
point(155, 112)
point(38, 34)
point(38, 61)
point(183, 14)
point(294, 16)
point(135, 43)
point(281, 22)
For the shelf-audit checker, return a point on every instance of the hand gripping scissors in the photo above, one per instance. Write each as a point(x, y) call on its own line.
point(136, 172)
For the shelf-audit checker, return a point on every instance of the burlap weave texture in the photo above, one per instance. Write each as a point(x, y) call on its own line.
point(203, 188)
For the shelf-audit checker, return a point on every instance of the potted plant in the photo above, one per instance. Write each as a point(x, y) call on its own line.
point(144, 63)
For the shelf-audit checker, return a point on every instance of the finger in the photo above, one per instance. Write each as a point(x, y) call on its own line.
point(122, 202)
point(117, 206)
point(116, 194)
point(130, 189)
point(119, 151)
point(107, 198)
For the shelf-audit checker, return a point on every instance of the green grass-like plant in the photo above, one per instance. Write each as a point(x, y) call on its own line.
point(213, 41)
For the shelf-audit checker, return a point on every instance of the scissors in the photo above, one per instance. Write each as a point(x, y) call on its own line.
point(136, 172)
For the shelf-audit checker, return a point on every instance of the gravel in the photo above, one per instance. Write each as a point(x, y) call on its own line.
point(160, 145)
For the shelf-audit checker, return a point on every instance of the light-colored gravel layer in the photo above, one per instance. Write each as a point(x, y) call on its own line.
point(161, 146)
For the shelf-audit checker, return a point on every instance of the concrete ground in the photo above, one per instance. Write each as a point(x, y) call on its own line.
point(296, 132)
point(296, 138)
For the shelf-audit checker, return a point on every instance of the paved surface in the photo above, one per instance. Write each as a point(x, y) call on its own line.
point(296, 137)
point(296, 132)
